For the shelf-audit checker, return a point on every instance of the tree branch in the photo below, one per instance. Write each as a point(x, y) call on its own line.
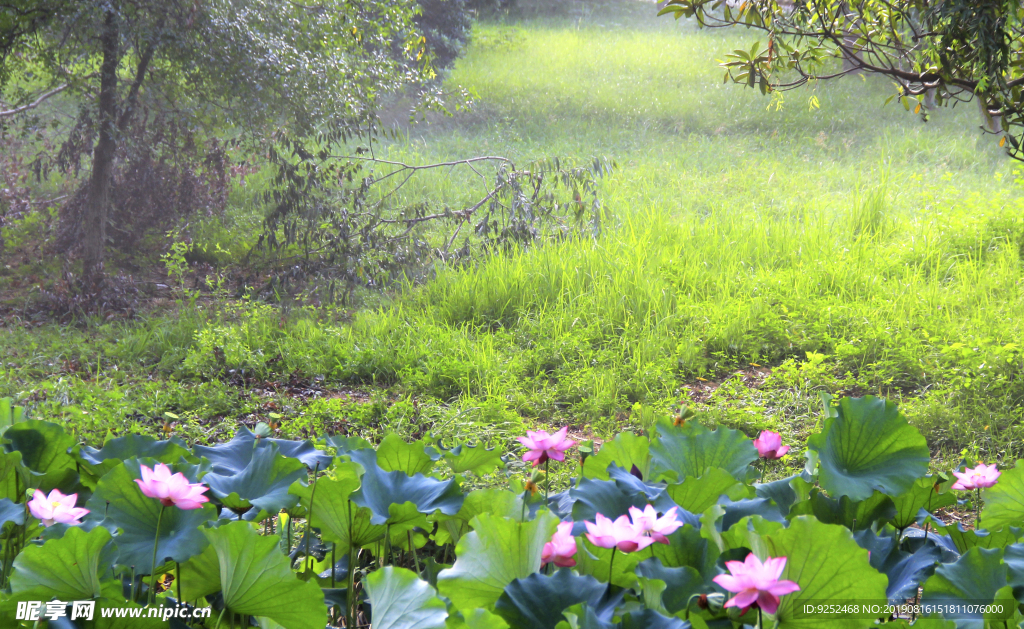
point(39, 101)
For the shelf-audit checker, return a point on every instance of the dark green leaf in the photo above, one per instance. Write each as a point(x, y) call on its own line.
point(854, 515)
point(905, 571)
point(263, 482)
point(680, 583)
point(537, 601)
point(99, 462)
point(976, 578)
point(382, 489)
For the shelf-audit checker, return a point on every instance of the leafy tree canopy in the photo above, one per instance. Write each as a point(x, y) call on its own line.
point(936, 52)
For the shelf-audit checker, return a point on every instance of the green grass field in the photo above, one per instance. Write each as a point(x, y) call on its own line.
point(755, 253)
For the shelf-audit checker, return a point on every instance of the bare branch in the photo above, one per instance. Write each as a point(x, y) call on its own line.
point(39, 101)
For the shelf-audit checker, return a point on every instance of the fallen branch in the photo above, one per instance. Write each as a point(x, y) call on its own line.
point(17, 110)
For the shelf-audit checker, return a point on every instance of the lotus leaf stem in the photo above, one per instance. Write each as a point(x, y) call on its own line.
point(412, 547)
point(156, 542)
point(611, 564)
point(351, 572)
point(309, 516)
point(547, 480)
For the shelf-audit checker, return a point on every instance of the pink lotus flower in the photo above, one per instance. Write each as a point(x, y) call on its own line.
point(171, 489)
point(621, 534)
point(543, 446)
point(769, 445)
point(979, 477)
point(756, 583)
point(561, 548)
point(648, 522)
point(56, 508)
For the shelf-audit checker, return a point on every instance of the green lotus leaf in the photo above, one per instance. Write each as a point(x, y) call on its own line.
point(687, 547)
point(125, 622)
point(867, 445)
point(1004, 501)
point(476, 619)
point(264, 482)
point(922, 622)
point(400, 600)
point(75, 567)
point(12, 512)
point(120, 506)
point(653, 493)
point(233, 457)
point(679, 584)
point(395, 455)
point(500, 502)
point(785, 492)
point(602, 496)
point(697, 494)
point(98, 462)
point(497, 552)
point(44, 450)
point(626, 450)
point(477, 459)
point(403, 518)
point(827, 564)
point(905, 571)
point(253, 577)
point(344, 445)
point(650, 619)
point(692, 450)
point(1013, 556)
point(921, 495)
point(44, 446)
point(382, 489)
point(597, 562)
point(965, 539)
point(736, 510)
point(537, 601)
point(14, 477)
point(978, 577)
point(583, 616)
point(339, 519)
point(750, 532)
point(853, 514)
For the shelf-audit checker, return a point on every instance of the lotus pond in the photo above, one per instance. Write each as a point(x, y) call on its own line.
point(672, 529)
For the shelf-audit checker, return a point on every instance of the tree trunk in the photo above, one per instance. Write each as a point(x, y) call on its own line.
point(94, 223)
